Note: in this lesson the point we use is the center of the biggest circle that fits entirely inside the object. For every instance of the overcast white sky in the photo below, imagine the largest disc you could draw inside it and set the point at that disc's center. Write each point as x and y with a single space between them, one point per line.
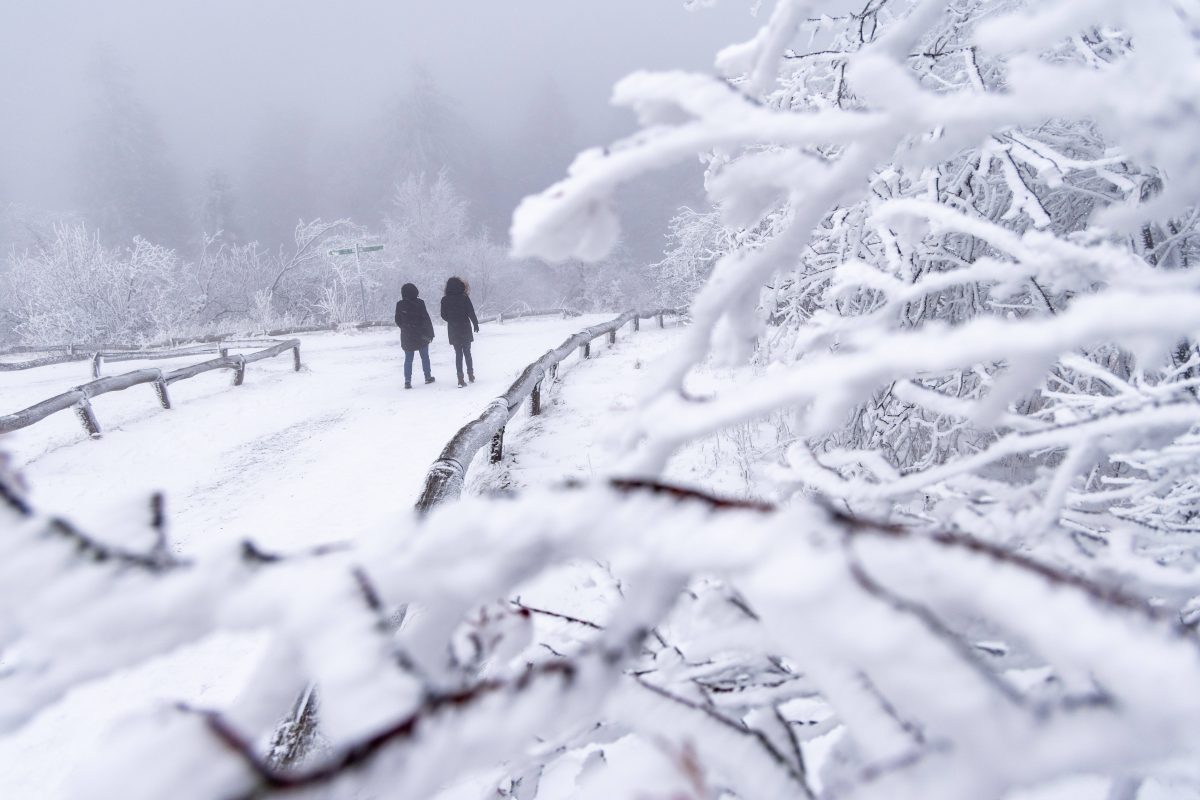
213 70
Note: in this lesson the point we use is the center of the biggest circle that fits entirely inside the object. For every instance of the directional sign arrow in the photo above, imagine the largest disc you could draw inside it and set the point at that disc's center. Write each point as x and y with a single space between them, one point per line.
349 251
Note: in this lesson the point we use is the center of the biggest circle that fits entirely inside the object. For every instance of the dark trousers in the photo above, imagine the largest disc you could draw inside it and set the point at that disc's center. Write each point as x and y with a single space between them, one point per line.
408 362
462 351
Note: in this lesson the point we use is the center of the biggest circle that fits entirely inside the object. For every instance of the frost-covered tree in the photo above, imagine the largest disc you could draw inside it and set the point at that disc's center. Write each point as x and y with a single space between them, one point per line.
219 214
22 229
547 138
420 133
696 241
74 289
270 288
426 223
127 185
885 192
279 189
430 236
947 225
297 278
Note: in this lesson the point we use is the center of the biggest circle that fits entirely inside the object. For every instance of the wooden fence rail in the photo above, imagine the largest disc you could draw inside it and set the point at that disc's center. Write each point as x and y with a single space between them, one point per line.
445 479
80 397
221 348
504 316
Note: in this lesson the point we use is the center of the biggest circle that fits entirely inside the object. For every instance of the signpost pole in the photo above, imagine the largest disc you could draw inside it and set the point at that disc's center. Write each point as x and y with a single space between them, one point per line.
362 283
362 289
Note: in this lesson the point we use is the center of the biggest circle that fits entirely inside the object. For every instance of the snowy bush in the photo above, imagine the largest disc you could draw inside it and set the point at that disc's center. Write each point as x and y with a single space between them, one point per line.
75 289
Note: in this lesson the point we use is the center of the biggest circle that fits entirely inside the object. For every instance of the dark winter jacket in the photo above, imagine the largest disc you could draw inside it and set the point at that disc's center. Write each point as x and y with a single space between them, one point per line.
416 328
459 313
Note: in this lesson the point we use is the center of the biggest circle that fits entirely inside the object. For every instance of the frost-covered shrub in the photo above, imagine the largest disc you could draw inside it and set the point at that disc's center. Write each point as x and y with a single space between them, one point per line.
74 289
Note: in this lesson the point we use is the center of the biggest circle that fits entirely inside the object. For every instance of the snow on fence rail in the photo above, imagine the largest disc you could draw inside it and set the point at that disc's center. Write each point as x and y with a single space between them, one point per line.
80 397
445 479
222 349
504 316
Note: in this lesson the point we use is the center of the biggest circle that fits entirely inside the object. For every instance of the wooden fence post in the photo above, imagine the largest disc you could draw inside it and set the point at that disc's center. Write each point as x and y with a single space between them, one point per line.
86 416
535 400
291 740
239 372
586 350
554 371
612 338
660 321
637 324
160 389
296 358
96 361
497 447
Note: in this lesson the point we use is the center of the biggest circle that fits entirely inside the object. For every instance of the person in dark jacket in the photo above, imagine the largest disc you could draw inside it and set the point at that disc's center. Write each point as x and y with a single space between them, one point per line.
416 331
460 319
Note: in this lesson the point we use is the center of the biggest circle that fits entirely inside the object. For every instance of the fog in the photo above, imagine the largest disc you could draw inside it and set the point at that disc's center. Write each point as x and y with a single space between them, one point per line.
285 97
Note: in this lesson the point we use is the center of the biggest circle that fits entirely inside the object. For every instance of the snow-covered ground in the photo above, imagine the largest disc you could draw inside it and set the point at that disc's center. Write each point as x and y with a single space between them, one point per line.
286 459
296 459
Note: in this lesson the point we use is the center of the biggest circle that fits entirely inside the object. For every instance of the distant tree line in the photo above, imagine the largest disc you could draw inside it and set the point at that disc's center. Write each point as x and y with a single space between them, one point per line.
142 256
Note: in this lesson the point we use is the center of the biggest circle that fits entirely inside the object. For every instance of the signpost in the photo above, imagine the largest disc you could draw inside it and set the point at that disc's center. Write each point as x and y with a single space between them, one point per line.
349 251
357 252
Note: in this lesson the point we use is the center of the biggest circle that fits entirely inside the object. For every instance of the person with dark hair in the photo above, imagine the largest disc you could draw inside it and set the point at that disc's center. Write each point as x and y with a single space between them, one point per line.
416 331
460 319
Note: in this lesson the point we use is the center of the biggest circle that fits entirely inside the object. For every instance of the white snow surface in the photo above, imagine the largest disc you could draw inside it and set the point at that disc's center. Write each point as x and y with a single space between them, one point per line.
586 416
288 459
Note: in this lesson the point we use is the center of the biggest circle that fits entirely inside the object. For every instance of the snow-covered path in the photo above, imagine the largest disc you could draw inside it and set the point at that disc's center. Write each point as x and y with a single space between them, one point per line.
286 459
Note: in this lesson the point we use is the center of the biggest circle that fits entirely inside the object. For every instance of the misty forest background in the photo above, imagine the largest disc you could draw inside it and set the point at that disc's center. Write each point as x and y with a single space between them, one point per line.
146 251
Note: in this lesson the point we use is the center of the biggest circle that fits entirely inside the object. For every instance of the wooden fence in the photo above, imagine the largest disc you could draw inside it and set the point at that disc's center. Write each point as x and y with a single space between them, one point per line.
222 349
504 316
445 479
80 397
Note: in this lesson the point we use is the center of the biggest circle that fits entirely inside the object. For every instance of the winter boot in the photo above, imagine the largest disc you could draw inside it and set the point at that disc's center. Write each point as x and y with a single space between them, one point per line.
471 377
461 383
430 379
407 385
